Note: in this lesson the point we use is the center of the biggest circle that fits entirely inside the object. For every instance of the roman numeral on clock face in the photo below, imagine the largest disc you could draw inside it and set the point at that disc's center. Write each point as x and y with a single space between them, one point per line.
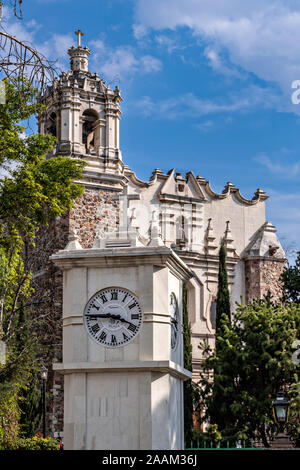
102 337
113 339
135 316
131 327
125 337
95 328
114 296
132 305
103 298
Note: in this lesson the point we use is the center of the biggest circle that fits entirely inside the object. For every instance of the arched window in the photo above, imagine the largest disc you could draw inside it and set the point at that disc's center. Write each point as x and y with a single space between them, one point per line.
90 116
213 313
52 127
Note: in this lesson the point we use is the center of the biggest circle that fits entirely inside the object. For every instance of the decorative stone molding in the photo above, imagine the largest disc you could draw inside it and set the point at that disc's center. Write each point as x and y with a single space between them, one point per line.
266 243
155 233
229 189
228 240
73 241
210 244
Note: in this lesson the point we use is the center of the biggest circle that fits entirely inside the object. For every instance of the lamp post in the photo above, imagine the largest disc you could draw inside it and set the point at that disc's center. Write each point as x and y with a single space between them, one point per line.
281 408
44 376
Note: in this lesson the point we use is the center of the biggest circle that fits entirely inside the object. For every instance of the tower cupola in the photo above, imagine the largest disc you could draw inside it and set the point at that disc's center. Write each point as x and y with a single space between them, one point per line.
79 56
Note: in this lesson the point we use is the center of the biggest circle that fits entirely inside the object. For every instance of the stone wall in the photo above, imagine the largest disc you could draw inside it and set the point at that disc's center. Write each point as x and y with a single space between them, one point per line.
95 211
262 274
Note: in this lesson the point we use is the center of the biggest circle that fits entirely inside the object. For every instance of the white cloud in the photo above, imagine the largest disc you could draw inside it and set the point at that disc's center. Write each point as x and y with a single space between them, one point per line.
112 62
168 43
121 61
260 36
150 64
283 209
283 169
205 126
188 104
139 31
216 61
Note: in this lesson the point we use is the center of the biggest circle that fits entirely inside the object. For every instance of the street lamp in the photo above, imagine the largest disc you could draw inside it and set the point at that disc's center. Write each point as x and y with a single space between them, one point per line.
44 376
281 408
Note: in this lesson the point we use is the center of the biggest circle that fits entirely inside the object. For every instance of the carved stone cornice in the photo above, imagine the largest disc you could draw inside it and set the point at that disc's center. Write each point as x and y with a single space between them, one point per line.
229 189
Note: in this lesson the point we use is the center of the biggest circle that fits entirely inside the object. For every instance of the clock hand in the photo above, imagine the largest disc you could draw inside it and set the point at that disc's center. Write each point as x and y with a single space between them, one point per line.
109 315
118 317
100 315
104 315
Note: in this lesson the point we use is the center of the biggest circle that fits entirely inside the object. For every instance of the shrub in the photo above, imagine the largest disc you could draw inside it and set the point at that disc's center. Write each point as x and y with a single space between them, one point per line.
37 443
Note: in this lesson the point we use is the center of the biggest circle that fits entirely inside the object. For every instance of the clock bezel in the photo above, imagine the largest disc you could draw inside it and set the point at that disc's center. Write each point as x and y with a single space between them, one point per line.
139 325
177 318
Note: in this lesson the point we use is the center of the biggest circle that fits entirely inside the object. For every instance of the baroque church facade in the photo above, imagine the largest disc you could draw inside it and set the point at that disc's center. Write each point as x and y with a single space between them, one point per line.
119 211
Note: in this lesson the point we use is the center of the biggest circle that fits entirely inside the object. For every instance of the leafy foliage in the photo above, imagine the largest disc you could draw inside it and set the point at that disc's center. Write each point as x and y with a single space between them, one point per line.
33 191
293 425
291 282
35 443
223 299
253 361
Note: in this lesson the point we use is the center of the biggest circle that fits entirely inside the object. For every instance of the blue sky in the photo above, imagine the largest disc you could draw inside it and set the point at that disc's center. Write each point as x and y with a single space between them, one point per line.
206 86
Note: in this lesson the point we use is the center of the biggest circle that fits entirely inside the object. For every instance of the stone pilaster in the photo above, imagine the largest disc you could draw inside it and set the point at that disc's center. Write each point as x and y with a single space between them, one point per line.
264 263
262 274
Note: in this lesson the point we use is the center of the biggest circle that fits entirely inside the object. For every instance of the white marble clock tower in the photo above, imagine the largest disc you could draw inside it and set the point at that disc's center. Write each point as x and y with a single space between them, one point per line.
122 346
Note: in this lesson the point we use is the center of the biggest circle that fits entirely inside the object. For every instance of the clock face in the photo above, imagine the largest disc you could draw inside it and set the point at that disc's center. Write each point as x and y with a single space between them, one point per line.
174 313
113 317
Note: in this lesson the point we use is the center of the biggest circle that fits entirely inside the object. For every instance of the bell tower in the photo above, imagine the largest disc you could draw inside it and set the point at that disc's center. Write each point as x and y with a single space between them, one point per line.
83 113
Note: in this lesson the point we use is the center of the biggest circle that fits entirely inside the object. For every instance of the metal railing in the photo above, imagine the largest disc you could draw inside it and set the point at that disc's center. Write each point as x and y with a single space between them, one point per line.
224 445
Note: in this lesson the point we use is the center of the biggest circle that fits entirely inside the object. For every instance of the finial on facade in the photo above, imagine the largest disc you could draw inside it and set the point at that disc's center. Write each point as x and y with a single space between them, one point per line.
260 195
228 241
210 245
155 237
228 187
73 241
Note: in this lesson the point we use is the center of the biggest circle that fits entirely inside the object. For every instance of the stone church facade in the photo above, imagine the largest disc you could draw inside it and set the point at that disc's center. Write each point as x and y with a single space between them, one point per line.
178 211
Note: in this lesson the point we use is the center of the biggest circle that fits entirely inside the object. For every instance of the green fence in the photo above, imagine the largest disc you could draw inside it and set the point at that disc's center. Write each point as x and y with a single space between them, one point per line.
224 445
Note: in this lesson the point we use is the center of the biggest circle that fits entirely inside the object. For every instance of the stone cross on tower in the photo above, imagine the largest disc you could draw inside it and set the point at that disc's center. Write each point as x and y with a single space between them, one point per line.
79 33
125 198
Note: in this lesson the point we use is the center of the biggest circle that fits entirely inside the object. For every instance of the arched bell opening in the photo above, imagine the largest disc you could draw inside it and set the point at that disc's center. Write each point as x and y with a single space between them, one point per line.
89 118
52 125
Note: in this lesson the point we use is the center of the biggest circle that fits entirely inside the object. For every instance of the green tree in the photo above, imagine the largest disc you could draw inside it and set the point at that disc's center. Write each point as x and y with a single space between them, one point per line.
253 361
223 299
33 191
291 282
30 405
293 425
221 381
